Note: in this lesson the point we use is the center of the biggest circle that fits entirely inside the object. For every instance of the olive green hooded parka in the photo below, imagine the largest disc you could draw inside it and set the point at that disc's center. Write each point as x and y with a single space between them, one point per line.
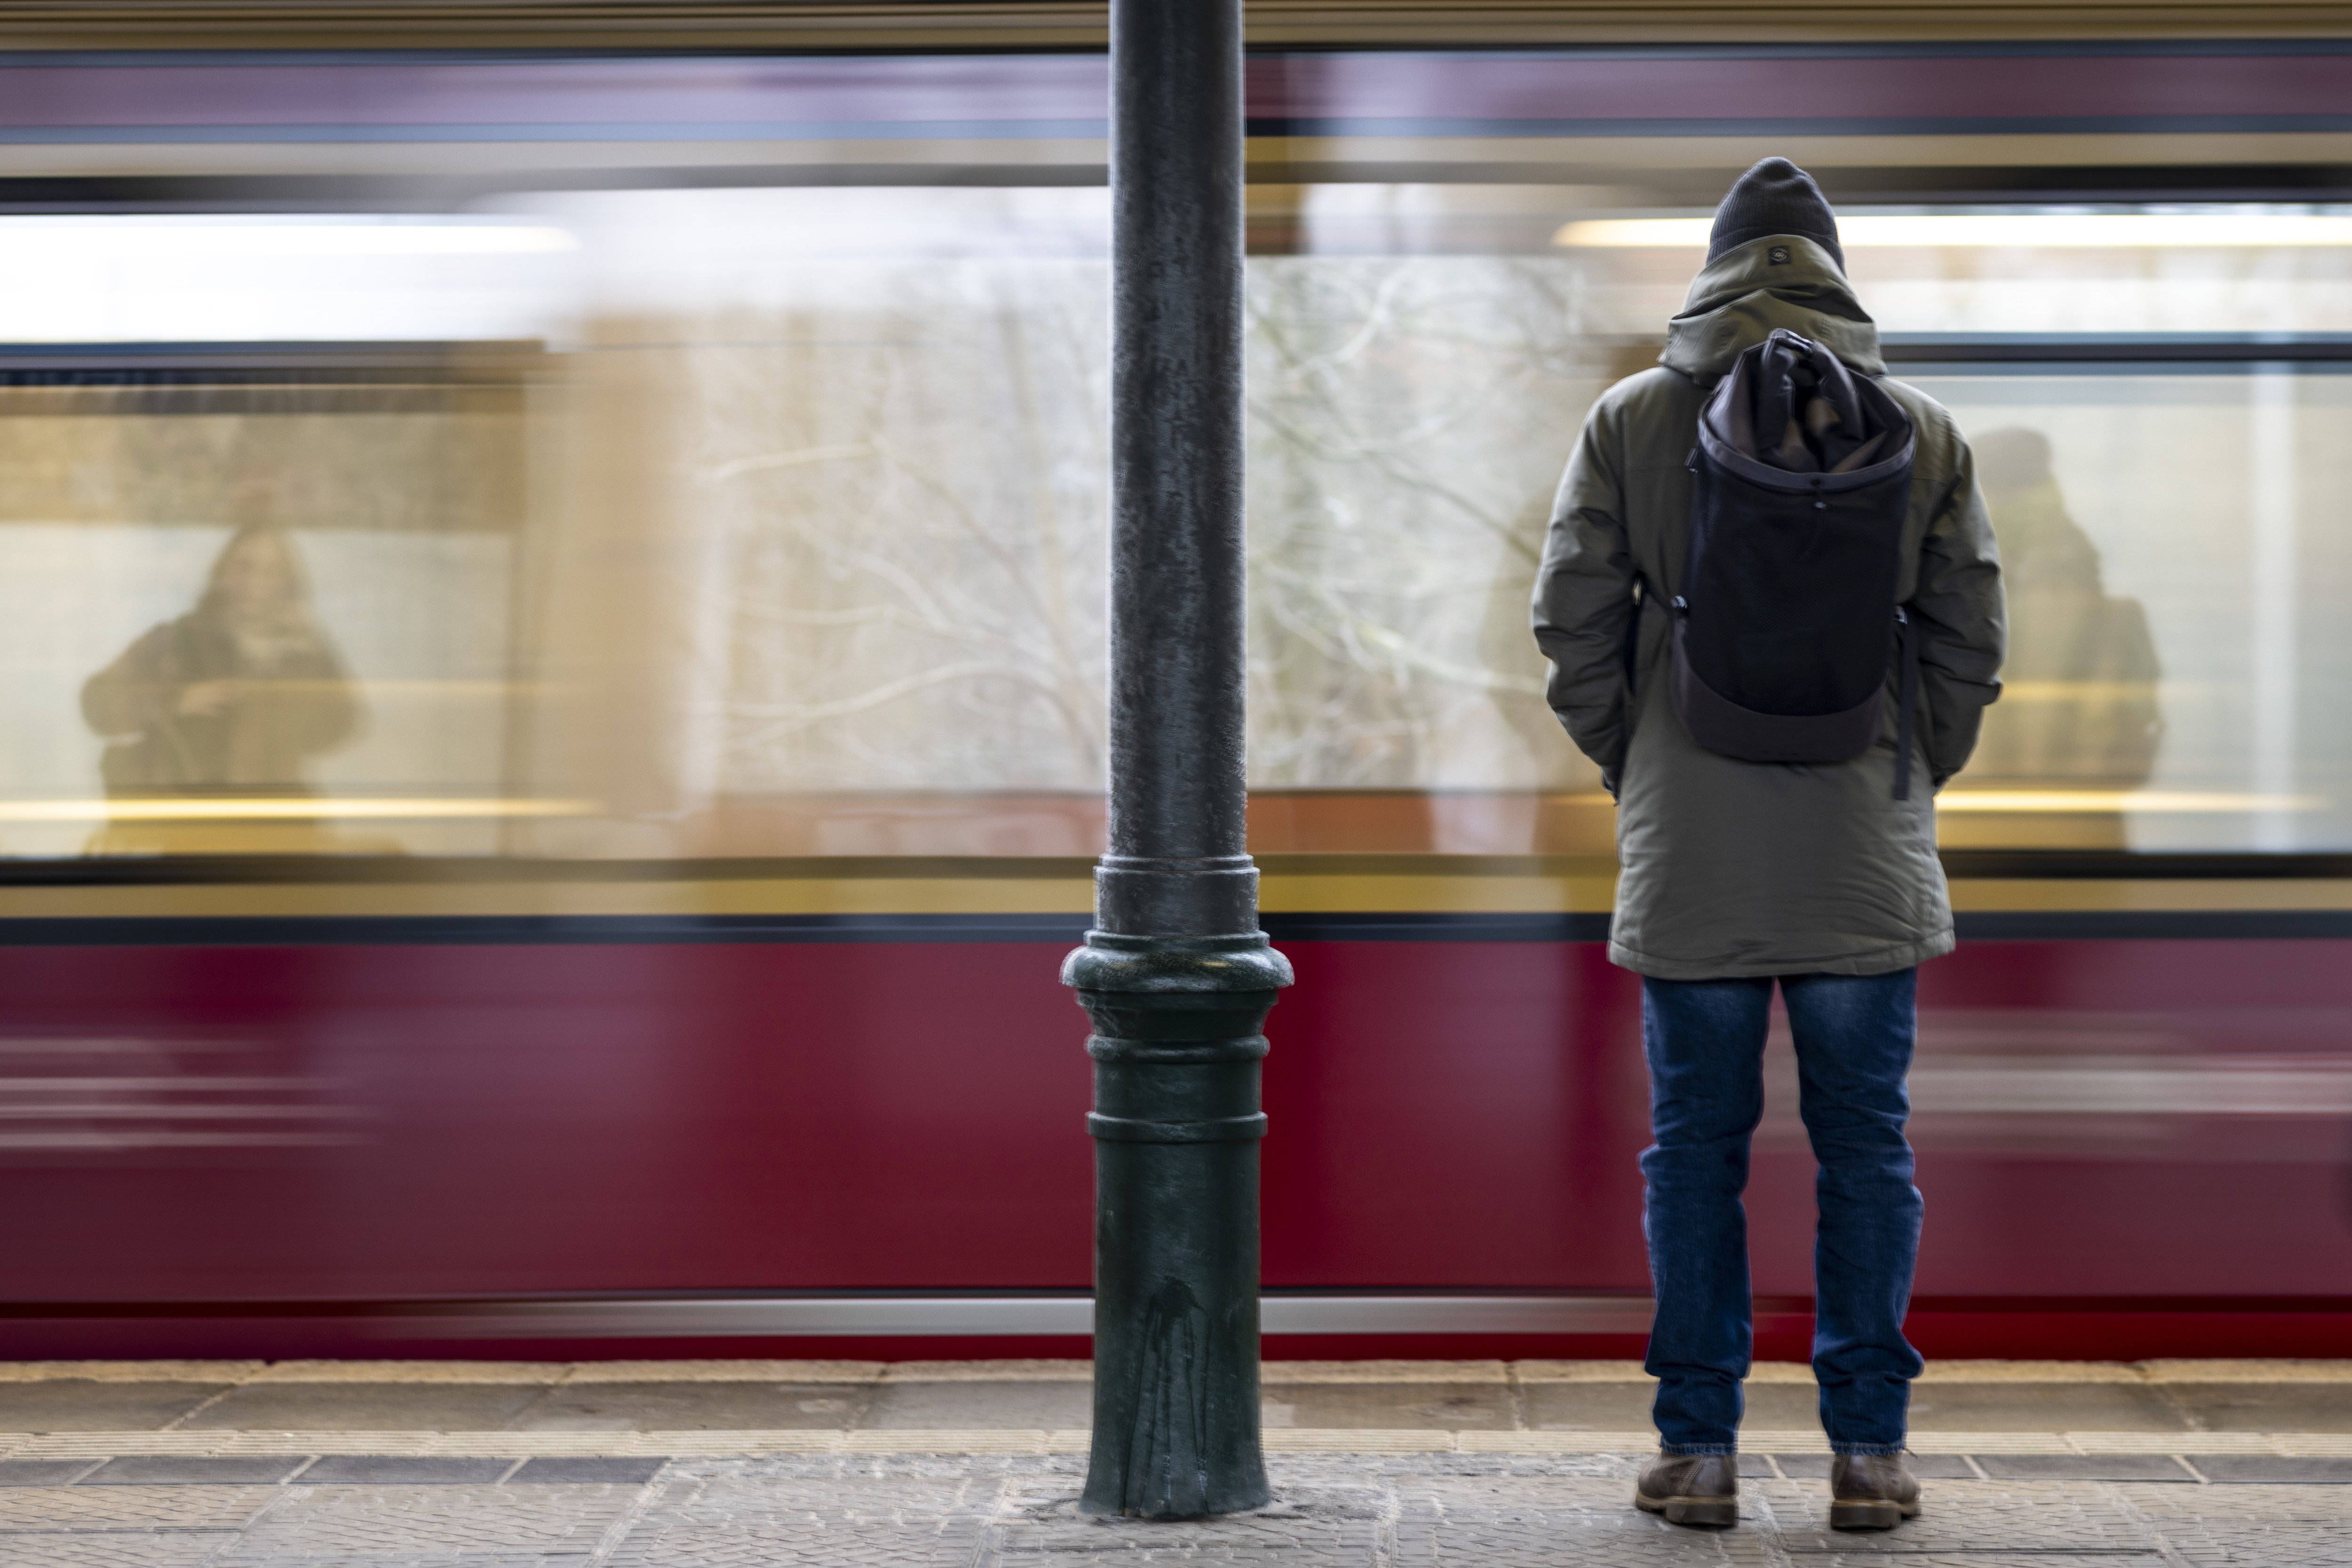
1728 867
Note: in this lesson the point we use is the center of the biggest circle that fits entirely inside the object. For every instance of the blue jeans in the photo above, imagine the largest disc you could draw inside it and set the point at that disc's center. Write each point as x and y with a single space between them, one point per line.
1705 1040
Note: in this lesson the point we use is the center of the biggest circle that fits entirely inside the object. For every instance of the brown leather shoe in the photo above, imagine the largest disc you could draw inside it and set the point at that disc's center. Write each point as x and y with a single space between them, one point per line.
1691 1488
1871 1491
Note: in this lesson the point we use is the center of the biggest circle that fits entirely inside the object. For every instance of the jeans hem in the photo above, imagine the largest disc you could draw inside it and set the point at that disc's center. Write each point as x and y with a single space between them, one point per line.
1879 1450
1696 1450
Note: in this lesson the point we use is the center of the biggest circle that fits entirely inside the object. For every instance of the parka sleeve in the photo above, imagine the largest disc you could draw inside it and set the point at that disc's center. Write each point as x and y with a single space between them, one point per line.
1584 600
1963 621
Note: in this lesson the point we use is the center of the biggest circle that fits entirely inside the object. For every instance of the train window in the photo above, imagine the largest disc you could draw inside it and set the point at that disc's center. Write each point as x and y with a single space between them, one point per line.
769 521
2171 650
258 598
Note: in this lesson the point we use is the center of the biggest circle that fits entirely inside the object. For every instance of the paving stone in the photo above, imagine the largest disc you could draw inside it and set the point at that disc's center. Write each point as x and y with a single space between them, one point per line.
1615 1466
1894 1555
955 1469
175 1469
1535 1538
364 1407
42 1472
402 1524
1926 1466
132 1508
1330 1523
2083 1466
1937 1467
418 1559
1587 1406
1935 1407
518 1559
380 1469
851 1483
967 1406
1965 1517
2042 1408
776 1542
185 1549
695 1407
82 1404
1542 1520
1606 1499
2262 1544
2250 1468
758 1517
1439 1496
1420 1406
629 1471
1778 1407
2264 1407
2238 1502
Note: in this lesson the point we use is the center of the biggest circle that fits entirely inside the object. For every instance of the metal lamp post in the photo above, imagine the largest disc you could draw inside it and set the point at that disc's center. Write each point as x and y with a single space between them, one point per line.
1176 974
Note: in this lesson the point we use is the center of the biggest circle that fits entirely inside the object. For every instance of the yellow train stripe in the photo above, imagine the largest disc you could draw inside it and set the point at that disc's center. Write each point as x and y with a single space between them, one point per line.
1572 887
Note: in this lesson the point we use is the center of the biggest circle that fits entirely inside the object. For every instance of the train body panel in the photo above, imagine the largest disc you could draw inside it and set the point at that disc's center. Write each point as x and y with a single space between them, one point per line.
349 1127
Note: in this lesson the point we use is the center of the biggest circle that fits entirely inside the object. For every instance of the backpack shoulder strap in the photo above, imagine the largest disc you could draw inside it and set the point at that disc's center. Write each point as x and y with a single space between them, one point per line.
1906 707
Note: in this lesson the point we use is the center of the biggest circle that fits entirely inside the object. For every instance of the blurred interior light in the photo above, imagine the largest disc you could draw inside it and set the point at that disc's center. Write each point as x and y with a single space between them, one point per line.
2006 230
283 276
151 238
2119 801
278 807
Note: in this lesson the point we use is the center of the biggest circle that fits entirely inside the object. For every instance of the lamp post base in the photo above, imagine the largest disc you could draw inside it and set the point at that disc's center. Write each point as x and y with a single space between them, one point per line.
1176 1127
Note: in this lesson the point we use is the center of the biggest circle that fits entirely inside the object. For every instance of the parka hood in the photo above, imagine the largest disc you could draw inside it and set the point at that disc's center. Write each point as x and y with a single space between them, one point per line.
1740 298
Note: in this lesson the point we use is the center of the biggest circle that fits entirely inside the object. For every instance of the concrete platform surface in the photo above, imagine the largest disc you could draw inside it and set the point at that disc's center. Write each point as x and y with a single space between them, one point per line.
686 1464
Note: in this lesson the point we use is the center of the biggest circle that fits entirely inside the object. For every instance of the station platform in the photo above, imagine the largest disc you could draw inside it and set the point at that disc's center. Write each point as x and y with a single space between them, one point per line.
680 1464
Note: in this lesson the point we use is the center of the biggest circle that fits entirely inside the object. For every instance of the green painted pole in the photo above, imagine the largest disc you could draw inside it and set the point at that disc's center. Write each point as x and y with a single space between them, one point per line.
1176 975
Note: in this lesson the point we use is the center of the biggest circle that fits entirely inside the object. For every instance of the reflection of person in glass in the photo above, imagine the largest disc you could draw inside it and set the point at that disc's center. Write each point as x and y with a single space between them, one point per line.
233 698
2080 708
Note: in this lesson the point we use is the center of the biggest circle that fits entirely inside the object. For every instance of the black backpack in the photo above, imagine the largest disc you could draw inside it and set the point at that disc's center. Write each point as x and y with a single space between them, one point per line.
1787 621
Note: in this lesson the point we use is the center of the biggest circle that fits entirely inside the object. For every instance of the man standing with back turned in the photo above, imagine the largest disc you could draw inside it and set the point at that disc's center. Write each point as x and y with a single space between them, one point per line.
1773 612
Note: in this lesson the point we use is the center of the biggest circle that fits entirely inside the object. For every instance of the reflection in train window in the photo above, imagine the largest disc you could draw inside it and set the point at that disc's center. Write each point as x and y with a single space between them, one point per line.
2170 653
257 600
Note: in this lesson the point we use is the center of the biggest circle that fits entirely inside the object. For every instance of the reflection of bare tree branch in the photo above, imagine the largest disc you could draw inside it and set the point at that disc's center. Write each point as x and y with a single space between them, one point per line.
1376 321
978 533
864 615
1424 484
1410 415
1389 641
910 578
910 575
1365 449
767 463
761 615
1444 669
789 718
927 608
1078 694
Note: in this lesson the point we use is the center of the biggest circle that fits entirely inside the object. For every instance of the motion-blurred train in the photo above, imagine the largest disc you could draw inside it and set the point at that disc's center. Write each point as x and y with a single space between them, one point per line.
551 737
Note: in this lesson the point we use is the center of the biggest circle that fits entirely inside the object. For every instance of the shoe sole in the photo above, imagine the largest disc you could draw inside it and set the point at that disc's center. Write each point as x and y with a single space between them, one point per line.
1701 1512
1860 1513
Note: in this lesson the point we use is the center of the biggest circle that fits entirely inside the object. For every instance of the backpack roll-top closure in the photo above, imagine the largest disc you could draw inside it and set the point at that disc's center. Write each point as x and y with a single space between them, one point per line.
1787 623
1751 470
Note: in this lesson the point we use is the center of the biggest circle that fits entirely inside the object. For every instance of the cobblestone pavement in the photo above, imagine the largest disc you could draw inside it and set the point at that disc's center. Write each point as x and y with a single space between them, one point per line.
916 1511
680 1488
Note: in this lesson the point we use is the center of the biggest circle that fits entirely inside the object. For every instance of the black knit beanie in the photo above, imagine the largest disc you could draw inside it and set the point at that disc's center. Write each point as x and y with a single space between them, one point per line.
1775 197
